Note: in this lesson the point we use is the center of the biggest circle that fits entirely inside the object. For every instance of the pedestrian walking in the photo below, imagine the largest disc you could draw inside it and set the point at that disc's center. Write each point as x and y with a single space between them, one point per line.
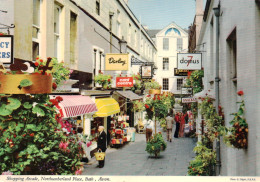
169 124
149 129
182 124
101 144
177 121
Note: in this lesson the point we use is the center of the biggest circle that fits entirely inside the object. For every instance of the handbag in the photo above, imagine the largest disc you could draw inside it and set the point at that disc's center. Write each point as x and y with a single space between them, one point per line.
100 155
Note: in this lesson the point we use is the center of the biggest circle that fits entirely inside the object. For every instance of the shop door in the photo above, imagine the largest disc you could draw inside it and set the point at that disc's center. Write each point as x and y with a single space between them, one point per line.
130 114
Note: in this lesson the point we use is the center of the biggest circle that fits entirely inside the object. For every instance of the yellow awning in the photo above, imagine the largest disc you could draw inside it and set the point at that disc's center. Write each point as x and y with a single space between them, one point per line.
106 107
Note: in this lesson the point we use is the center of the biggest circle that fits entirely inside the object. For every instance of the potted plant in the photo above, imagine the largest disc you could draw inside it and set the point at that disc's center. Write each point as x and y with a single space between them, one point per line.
104 80
137 83
156 145
138 106
153 87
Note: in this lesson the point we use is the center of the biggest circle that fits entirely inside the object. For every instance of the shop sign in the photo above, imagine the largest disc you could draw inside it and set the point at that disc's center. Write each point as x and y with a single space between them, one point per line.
146 72
180 72
189 61
124 82
115 62
188 100
6 49
186 90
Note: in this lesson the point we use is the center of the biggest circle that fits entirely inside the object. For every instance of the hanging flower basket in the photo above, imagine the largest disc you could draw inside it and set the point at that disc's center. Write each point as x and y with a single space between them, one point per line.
25 83
155 91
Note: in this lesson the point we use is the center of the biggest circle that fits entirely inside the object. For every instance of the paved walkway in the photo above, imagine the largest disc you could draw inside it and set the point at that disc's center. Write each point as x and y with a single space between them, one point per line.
132 159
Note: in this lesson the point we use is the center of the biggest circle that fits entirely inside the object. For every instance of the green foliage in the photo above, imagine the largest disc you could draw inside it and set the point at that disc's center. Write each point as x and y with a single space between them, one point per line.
159 105
104 80
214 123
25 83
204 161
30 138
138 106
152 85
195 81
59 71
156 145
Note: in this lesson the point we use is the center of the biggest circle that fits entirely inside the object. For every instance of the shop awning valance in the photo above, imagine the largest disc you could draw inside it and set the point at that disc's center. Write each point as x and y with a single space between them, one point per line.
129 94
76 105
106 107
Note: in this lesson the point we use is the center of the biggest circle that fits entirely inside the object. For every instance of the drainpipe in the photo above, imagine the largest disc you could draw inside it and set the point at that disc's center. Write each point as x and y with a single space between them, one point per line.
111 14
217 14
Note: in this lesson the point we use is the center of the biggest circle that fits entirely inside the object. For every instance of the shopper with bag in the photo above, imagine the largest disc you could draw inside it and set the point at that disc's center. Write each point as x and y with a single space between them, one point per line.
169 124
101 144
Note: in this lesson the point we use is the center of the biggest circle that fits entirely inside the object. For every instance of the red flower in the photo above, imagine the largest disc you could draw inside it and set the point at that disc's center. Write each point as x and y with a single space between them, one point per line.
148 95
32 134
1 34
54 101
146 106
54 86
24 135
41 60
14 135
108 80
36 64
37 58
240 93
59 98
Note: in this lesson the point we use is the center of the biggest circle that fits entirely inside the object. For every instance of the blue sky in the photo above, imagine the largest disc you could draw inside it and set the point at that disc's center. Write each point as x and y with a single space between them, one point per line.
157 14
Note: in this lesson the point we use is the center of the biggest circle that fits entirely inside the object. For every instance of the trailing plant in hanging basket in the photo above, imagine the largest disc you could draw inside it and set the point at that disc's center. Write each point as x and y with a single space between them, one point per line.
237 135
104 80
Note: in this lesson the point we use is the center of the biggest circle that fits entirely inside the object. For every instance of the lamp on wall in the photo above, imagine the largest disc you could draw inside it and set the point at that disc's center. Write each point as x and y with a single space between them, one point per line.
217 11
123 45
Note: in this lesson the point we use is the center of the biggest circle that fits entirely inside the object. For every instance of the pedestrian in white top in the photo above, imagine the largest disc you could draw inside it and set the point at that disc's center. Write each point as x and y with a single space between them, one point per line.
149 129
169 125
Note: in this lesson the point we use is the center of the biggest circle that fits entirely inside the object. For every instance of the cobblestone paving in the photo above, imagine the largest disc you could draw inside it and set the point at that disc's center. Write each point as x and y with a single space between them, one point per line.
132 159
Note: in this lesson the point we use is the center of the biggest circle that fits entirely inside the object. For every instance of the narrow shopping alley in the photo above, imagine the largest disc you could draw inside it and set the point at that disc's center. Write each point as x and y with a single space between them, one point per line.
132 159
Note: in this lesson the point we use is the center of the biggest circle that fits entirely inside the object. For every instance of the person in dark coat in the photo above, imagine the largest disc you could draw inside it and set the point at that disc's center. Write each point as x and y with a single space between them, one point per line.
177 120
101 144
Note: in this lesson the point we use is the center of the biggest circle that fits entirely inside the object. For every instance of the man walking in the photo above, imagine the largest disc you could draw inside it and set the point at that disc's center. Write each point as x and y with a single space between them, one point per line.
169 124
101 144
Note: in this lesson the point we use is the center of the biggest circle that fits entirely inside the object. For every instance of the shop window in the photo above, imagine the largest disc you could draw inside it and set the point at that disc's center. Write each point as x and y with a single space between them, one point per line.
165 83
73 36
35 50
165 64
98 7
165 44
179 83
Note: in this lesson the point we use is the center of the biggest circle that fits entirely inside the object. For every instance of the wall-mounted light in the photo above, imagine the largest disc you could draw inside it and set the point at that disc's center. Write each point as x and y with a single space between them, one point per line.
217 11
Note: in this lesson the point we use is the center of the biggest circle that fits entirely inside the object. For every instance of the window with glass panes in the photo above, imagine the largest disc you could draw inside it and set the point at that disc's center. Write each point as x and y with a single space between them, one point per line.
165 83
165 64
36 29
165 44
57 12
179 83
179 44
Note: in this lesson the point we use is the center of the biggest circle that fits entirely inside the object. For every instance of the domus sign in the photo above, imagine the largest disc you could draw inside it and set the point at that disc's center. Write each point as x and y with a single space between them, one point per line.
189 61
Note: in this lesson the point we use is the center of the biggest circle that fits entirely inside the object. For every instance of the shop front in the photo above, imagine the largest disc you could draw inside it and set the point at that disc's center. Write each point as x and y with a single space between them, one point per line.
75 114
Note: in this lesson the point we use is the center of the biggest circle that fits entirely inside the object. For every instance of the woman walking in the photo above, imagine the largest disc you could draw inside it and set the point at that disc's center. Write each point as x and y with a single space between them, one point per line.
177 120
182 124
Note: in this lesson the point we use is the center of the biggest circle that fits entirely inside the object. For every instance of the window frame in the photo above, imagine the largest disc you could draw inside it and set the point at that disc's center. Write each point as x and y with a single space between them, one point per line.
166 44
178 83
165 62
165 84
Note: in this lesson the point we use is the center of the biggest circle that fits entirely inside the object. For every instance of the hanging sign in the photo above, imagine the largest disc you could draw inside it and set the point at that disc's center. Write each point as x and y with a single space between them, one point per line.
6 49
188 100
180 72
115 62
189 61
124 82
186 90
146 72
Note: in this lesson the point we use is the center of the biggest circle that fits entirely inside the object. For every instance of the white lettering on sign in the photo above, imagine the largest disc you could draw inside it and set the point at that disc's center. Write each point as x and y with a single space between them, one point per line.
188 100
189 61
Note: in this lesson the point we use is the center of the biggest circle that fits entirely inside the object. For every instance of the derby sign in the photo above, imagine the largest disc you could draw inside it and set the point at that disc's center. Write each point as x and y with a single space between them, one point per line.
116 62
124 82
189 61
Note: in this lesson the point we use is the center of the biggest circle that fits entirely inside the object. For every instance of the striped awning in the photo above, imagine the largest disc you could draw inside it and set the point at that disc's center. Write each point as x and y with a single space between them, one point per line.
106 107
75 105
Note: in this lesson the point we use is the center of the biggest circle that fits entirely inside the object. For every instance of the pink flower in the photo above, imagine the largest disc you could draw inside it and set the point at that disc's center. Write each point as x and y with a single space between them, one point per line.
7 173
61 145
78 172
